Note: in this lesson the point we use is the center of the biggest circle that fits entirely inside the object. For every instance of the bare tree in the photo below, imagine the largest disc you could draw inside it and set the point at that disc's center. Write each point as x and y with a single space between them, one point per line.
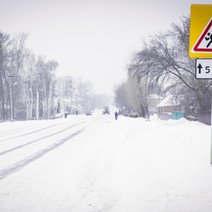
85 95
45 76
131 97
164 59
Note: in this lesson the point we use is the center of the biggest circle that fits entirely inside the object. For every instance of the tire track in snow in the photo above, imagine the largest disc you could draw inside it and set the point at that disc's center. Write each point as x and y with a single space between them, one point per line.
28 133
14 130
24 162
36 140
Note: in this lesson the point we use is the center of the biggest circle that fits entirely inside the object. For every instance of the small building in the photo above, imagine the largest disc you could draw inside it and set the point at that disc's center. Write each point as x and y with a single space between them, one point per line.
169 108
153 101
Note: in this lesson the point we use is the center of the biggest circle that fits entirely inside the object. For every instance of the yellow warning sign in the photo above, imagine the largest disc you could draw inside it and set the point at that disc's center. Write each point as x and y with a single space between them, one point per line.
200 41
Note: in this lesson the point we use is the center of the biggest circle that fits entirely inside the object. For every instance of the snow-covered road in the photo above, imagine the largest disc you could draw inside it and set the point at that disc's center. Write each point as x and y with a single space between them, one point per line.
97 164
19 149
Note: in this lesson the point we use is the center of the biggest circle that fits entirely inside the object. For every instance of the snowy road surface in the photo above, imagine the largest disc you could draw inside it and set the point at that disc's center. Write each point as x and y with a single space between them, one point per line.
97 164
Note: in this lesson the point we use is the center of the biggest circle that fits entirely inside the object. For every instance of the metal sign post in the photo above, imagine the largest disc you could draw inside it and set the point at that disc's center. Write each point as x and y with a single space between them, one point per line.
211 123
204 71
200 44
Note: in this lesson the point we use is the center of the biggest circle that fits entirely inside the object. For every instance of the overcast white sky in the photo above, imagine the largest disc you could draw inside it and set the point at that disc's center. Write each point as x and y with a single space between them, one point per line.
93 39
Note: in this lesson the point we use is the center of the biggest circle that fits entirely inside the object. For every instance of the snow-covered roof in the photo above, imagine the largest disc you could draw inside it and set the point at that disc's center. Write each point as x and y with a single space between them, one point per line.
168 101
154 96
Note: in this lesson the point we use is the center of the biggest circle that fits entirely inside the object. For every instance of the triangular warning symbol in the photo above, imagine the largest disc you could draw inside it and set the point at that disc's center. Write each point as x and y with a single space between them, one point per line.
204 42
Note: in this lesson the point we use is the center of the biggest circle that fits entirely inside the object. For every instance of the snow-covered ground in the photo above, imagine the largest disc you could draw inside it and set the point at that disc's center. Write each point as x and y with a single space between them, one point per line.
97 164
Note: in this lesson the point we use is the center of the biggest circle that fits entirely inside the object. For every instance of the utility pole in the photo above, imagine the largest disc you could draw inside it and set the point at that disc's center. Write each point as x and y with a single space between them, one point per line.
63 101
27 99
11 98
37 105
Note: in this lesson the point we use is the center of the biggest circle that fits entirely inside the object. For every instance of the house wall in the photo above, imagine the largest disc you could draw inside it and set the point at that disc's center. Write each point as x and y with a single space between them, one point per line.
167 112
165 109
168 109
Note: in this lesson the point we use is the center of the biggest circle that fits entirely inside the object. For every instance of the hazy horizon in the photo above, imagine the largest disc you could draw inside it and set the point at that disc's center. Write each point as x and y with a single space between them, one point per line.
90 39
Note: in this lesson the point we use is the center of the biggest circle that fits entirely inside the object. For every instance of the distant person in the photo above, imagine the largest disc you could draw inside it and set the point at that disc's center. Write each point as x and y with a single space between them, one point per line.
76 112
116 115
66 114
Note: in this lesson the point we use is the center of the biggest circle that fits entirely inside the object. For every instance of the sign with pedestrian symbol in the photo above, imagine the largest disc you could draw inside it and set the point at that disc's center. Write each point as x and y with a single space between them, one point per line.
200 42
204 43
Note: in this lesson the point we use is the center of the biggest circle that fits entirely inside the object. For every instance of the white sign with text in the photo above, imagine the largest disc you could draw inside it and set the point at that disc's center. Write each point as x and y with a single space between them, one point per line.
203 68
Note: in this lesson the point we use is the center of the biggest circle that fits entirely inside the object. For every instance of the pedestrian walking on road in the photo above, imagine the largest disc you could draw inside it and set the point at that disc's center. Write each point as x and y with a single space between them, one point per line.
116 115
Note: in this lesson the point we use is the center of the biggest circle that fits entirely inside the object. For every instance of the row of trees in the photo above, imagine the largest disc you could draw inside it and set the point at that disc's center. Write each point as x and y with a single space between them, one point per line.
77 95
163 67
26 81
74 95
29 88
